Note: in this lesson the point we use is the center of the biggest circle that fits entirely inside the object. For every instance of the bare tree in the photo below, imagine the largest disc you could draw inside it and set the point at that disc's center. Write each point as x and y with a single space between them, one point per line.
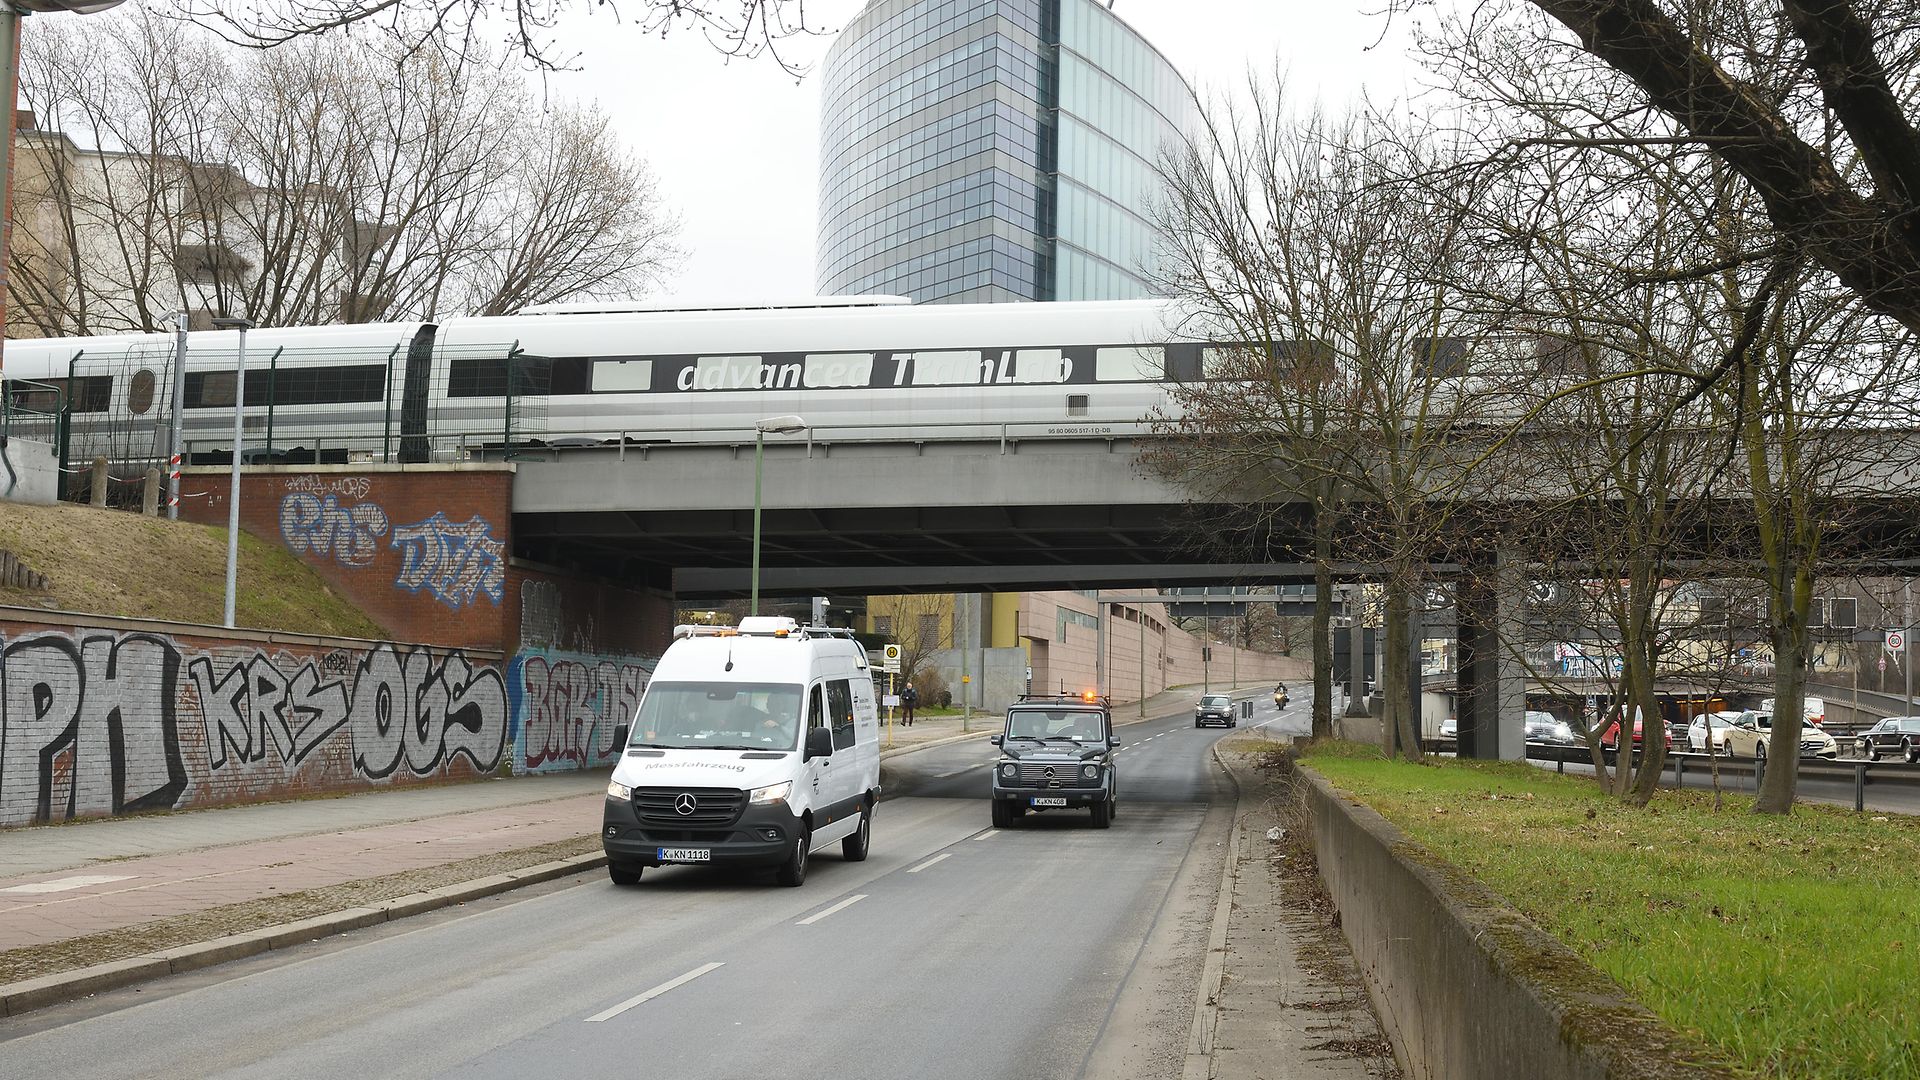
737 28
319 182
1338 287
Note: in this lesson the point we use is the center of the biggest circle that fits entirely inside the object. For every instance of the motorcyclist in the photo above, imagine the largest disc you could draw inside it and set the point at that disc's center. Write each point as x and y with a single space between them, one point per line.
1279 695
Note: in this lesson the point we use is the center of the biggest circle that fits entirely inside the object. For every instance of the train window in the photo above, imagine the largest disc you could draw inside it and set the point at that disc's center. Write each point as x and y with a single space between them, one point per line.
140 392
89 393
952 368
488 376
477 376
1219 361
1041 366
1129 363
290 386
209 389
838 369
728 373
622 376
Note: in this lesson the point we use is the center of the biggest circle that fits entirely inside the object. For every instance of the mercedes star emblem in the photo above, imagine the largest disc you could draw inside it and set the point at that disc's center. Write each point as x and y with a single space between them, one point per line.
685 804
1049 771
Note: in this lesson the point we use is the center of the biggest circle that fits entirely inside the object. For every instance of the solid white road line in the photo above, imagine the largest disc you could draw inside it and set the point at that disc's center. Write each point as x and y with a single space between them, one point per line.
641 999
930 862
841 906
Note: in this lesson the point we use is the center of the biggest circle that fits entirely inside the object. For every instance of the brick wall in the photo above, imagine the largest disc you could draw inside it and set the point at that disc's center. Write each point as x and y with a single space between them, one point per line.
103 716
422 549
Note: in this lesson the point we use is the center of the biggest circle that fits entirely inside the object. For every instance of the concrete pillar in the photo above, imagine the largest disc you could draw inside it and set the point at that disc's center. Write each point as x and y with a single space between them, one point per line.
98 496
1492 691
150 494
1357 649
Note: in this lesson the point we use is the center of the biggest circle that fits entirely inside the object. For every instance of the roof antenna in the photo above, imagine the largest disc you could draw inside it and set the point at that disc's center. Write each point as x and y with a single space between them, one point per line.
729 666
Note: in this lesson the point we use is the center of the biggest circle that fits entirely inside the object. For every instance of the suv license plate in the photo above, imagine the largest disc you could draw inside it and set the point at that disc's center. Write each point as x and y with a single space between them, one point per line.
685 854
1049 802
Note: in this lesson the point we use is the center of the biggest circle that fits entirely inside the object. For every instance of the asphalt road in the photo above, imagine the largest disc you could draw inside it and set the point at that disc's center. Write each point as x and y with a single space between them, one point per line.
956 950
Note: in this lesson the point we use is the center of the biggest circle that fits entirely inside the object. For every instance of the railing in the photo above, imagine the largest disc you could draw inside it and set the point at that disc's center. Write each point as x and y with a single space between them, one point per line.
1862 773
20 422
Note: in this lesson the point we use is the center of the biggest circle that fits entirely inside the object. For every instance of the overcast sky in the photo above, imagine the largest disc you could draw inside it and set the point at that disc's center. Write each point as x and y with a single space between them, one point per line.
733 143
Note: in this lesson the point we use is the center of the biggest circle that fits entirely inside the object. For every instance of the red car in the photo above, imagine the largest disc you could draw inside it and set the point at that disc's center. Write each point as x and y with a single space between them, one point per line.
1610 739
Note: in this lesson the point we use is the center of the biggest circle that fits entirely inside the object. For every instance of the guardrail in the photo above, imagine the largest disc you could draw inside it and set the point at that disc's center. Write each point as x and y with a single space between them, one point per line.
1862 773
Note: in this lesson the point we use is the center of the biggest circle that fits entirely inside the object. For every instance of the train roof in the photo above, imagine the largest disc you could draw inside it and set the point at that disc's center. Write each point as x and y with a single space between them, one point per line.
825 329
44 357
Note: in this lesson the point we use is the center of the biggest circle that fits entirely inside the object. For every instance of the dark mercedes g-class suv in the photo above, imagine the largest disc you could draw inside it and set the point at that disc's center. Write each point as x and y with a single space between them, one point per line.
1055 752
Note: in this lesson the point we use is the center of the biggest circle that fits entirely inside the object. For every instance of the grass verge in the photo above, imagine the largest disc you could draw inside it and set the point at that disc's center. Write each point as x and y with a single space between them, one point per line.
1786 944
112 562
34 961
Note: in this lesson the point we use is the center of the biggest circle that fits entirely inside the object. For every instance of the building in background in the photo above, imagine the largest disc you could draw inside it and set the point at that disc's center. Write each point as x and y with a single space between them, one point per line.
992 150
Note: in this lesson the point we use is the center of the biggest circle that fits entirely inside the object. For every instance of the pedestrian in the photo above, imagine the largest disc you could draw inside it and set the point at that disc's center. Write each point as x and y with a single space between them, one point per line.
909 697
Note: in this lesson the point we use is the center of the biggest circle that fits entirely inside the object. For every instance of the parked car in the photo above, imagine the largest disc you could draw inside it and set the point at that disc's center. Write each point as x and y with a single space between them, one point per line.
1750 735
1215 709
1698 730
1450 728
1543 727
1895 735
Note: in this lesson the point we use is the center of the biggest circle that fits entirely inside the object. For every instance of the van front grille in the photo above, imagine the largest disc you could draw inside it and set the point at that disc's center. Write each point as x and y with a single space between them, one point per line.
709 807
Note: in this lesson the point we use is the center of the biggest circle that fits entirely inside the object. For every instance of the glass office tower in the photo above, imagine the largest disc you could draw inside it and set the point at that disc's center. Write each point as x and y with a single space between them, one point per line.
989 150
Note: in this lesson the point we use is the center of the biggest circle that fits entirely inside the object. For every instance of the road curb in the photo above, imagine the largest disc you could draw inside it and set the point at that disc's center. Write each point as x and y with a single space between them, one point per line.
1206 1001
26 995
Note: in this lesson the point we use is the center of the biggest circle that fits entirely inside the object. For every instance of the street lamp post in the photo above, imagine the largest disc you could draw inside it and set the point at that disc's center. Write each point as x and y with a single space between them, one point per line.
772 425
239 434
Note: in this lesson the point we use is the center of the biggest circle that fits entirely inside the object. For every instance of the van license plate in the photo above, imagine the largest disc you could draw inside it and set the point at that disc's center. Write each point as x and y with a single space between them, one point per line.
1049 802
685 854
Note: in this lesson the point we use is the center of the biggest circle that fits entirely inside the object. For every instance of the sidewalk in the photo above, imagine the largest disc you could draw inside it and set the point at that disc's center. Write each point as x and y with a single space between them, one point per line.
1281 995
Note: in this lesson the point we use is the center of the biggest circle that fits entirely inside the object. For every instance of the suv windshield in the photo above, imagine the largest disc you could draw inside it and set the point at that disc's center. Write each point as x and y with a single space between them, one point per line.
711 715
1079 725
1216 701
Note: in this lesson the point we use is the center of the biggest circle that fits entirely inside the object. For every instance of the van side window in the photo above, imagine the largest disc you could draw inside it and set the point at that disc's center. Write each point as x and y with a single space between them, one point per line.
816 710
840 703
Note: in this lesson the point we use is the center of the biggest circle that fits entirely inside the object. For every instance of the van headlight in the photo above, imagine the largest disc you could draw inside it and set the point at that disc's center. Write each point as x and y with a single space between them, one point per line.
772 793
619 791
1562 732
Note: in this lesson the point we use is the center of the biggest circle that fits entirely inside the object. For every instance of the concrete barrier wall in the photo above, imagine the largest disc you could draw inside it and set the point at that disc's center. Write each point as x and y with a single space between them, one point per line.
36 473
1466 985
102 716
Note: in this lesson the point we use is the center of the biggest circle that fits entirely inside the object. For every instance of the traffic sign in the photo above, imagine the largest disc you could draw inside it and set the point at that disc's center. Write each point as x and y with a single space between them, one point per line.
1896 641
890 659
1883 663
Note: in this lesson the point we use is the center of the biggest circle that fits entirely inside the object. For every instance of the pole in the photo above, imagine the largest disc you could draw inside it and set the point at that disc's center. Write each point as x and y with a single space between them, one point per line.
1906 644
273 376
233 499
963 608
759 441
178 412
1140 613
1099 647
890 693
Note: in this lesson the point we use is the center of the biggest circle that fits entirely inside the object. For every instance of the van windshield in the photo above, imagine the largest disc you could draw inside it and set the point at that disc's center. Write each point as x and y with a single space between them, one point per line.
716 715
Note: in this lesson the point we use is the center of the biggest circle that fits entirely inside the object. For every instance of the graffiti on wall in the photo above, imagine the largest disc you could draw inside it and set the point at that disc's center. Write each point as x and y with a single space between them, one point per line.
453 563
104 723
567 707
322 526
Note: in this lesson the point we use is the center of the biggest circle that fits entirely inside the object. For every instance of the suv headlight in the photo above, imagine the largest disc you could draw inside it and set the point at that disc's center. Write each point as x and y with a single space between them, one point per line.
1091 772
772 793
1008 769
619 791
1562 731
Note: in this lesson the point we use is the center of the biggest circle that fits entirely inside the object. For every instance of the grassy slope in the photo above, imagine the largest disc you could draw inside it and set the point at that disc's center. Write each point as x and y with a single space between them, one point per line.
1790 945
112 562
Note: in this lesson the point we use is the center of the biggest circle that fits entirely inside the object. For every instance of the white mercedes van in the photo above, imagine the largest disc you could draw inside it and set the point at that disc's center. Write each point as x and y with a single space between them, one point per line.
753 746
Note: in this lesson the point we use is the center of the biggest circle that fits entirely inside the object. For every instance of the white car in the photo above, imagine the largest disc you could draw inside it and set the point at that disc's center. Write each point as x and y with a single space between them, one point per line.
1751 734
1720 721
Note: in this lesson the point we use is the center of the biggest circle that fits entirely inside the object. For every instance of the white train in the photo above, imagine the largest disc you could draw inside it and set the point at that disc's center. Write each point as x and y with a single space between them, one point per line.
579 374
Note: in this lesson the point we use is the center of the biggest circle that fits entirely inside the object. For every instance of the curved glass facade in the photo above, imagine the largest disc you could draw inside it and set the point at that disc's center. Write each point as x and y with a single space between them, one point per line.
988 150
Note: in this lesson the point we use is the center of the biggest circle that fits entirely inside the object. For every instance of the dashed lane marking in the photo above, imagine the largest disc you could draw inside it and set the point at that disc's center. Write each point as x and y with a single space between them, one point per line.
841 906
642 999
930 862
987 835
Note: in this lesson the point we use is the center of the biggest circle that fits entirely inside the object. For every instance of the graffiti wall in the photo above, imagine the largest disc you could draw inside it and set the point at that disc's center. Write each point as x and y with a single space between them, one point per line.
453 562
102 720
566 707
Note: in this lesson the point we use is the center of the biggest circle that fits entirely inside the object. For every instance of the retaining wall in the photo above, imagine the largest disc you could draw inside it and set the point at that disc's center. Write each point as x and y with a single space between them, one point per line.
103 716
1466 985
